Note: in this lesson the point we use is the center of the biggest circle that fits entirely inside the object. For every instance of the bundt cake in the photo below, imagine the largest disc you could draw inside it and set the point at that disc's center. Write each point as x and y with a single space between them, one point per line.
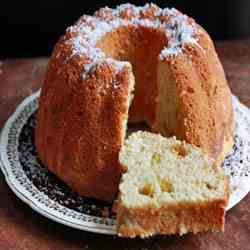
129 64
163 192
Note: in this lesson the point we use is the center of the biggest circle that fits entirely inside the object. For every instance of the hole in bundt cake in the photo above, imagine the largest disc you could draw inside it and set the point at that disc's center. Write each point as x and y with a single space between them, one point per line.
147 189
156 96
140 46
179 150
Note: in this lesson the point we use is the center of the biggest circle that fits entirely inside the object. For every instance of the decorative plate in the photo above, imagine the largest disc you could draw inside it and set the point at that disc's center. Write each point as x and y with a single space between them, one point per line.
49 196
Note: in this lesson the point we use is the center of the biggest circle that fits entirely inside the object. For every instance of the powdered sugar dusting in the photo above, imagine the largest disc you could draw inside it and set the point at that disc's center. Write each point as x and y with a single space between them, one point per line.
118 65
89 29
181 32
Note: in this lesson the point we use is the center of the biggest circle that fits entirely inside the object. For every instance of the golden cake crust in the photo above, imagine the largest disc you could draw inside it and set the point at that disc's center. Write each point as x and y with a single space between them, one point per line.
69 138
167 220
205 116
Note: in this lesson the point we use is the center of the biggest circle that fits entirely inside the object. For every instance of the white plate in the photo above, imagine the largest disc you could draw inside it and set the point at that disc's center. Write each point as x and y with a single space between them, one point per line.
46 194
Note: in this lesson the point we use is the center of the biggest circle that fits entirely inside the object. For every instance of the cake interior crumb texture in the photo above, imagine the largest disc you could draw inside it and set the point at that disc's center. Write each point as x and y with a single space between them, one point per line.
168 187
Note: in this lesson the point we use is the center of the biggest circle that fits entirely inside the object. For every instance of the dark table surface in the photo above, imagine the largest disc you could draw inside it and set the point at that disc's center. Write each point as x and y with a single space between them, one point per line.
22 228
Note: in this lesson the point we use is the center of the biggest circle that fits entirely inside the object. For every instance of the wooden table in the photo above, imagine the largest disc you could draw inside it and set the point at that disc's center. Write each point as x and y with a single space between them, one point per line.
22 228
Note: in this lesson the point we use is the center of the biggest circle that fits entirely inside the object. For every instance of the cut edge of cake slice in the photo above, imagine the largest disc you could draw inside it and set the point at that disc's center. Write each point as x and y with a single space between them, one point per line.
168 187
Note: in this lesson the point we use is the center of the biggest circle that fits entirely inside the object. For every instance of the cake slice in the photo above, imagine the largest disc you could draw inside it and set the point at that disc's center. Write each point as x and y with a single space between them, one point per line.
168 187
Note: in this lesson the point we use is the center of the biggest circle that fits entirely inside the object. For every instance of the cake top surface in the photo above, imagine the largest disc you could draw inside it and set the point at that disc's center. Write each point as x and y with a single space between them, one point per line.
162 170
83 36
